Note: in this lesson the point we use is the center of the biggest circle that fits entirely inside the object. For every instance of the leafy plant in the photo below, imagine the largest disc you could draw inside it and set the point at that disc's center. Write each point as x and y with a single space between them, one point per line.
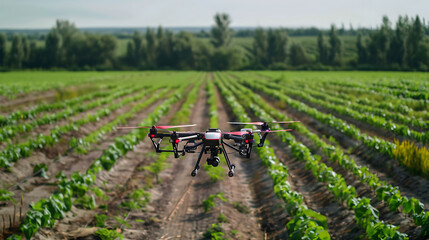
209 203
106 234
222 218
85 202
241 208
5 195
100 220
122 222
40 170
215 232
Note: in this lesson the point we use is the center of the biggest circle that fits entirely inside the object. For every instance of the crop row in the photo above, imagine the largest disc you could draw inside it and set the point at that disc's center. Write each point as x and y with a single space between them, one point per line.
19 115
8 132
212 101
419 164
388 193
82 145
339 86
399 129
46 211
366 215
14 152
393 106
306 223
361 108
24 82
418 94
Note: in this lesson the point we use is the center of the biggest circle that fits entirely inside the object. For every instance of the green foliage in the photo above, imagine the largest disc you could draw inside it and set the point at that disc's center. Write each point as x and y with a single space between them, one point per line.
14 237
39 170
222 218
220 32
122 222
215 232
138 199
85 202
107 234
100 220
209 203
241 207
5 195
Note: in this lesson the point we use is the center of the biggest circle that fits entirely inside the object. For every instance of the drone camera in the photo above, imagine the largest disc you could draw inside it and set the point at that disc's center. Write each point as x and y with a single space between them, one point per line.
213 161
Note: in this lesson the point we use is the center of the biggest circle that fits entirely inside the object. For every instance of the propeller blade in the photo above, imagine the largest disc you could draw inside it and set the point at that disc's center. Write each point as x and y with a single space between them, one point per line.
286 122
132 127
161 127
237 133
177 126
260 123
188 137
282 130
253 123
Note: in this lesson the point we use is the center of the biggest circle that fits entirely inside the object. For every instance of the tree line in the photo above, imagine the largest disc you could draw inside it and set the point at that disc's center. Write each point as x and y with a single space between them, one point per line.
402 47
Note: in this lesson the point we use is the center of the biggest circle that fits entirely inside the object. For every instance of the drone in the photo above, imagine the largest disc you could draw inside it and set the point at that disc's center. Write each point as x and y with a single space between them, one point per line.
212 141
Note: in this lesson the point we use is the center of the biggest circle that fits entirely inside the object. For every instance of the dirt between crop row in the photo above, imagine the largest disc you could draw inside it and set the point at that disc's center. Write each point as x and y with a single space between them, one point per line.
410 186
35 188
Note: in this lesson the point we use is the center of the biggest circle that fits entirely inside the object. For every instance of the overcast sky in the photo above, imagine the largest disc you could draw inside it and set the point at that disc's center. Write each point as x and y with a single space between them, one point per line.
30 14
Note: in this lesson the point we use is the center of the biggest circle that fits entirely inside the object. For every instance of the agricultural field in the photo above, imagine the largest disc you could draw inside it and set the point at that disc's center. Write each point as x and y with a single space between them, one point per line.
356 166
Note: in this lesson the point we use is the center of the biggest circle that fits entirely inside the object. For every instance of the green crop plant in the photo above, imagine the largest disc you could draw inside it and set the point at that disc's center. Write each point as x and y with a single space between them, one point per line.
209 203
107 234
100 220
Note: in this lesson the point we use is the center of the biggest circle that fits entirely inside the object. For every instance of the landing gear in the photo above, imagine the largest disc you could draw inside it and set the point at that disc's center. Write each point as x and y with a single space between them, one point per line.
231 172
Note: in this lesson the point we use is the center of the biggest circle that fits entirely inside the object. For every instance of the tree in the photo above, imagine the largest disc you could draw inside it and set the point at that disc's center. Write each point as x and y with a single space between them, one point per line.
361 50
297 55
3 42
322 49
26 50
165 48
183 51
414 41
276 46
220 33
52 49
379 43
67 31
137 55
335 50
397 47
129 57
260 48
151 53
16 55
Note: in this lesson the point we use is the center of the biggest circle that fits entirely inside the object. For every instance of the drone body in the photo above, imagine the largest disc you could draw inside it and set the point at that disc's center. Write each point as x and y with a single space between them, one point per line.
212 142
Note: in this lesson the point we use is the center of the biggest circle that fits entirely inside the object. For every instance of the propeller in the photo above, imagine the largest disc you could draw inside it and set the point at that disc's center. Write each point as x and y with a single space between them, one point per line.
268 131
237 133
260 123
161 127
